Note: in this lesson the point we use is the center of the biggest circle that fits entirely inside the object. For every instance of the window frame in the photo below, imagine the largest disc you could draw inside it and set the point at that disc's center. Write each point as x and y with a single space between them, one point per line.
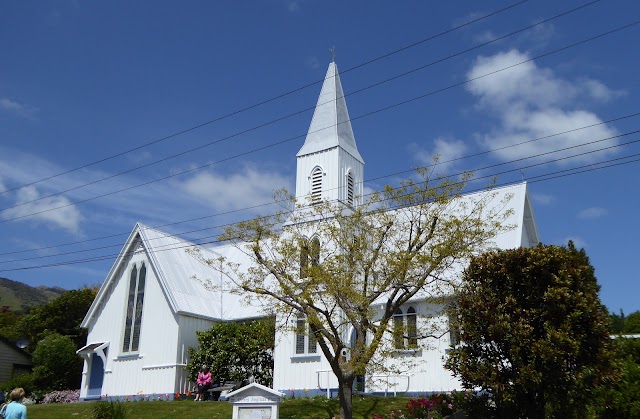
134 309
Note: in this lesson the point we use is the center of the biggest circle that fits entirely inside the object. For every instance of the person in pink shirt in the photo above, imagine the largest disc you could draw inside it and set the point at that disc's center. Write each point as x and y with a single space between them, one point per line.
203 382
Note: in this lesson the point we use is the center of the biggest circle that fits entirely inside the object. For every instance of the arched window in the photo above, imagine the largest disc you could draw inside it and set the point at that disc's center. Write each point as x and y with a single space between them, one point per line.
137 322
135 303
350 191
304 258
131 300
412 328
316 185
398 330
314 251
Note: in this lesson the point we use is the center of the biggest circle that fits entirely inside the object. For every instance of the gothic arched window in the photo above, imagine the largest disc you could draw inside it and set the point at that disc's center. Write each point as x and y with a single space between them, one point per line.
316 185
135 303
304 258
314 251
412 328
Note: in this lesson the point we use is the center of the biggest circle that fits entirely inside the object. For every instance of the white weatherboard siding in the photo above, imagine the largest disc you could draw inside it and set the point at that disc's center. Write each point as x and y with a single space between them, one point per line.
183 295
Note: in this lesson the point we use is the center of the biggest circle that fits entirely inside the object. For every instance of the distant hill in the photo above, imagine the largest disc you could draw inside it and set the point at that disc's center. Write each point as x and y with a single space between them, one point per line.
20 297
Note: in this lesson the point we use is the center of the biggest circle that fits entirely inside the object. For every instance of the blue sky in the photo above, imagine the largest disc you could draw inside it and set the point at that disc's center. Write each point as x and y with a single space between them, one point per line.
82 81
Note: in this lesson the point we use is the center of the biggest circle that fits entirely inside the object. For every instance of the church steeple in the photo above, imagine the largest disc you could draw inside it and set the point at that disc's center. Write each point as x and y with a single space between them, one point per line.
330 125
329 164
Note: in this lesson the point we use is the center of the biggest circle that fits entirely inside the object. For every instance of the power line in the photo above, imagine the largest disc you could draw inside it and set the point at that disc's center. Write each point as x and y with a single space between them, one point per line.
540 178
279 96
366 180
439 178
352 119
290 115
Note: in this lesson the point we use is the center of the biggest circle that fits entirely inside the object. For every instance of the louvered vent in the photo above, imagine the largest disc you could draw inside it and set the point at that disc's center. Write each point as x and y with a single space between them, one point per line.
316 186
350 189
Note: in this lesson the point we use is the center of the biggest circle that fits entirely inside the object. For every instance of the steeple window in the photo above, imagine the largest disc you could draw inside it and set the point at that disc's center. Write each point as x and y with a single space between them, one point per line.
350 192
316 185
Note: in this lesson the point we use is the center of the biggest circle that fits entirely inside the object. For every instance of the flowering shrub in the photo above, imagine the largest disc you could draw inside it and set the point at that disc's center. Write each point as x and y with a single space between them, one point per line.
62 396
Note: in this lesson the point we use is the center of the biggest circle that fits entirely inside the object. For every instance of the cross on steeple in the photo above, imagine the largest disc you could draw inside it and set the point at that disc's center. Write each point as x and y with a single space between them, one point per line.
333 54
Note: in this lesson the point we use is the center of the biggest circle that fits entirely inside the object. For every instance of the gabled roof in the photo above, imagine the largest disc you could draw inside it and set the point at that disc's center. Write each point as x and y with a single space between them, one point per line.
181 275
330 126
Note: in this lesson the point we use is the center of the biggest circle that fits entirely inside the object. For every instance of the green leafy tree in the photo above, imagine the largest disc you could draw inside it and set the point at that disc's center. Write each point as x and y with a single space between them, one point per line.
617 322
62 316
621 399
632 323
236 351
56 365
396 246
534 333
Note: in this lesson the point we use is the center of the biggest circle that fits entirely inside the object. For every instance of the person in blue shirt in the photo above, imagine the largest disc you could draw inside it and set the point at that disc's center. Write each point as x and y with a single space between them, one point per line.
15 409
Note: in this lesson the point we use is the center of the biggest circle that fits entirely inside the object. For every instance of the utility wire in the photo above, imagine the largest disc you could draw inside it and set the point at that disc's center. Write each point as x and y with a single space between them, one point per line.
436 179
279 96
352 119
540 178
366 180
290 115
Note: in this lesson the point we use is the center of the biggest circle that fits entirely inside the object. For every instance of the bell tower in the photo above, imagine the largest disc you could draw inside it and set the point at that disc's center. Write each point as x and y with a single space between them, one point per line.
329 166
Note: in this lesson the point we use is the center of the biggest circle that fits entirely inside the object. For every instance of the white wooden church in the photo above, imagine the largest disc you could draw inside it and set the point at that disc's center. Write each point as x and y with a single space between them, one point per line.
147 311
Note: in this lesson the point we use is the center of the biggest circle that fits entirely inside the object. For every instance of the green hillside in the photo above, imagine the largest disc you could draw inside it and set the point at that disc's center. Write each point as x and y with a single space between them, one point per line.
19 297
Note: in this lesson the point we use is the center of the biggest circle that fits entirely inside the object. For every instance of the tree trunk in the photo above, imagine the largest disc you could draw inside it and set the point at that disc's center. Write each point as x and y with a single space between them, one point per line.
345 392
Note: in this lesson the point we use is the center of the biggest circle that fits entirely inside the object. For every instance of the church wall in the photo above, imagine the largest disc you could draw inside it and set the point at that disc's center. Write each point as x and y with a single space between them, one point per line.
153 369
188 327
300 372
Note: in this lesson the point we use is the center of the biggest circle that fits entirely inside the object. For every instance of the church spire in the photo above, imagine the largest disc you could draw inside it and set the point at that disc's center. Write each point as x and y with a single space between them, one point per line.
329 164
330 126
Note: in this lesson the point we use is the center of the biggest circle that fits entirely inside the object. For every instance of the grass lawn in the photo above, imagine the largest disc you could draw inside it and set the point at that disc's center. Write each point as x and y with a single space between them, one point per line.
317 408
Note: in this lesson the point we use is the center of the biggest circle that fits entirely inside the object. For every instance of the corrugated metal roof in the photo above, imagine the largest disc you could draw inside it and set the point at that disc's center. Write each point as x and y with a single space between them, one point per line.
191 285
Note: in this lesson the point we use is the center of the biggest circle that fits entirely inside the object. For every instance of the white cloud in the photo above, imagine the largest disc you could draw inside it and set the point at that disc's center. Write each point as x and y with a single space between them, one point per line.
67 218
235 191
542 199
592 213
578 242
599 91
446 149
293 5
530 102
14 107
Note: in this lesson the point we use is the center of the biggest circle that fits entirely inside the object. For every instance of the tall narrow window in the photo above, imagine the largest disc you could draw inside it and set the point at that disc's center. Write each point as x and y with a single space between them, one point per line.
131 301
314 252
304 258
398 330
316 186
300 334
135 303
350 188
312 344
412 328
137 322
